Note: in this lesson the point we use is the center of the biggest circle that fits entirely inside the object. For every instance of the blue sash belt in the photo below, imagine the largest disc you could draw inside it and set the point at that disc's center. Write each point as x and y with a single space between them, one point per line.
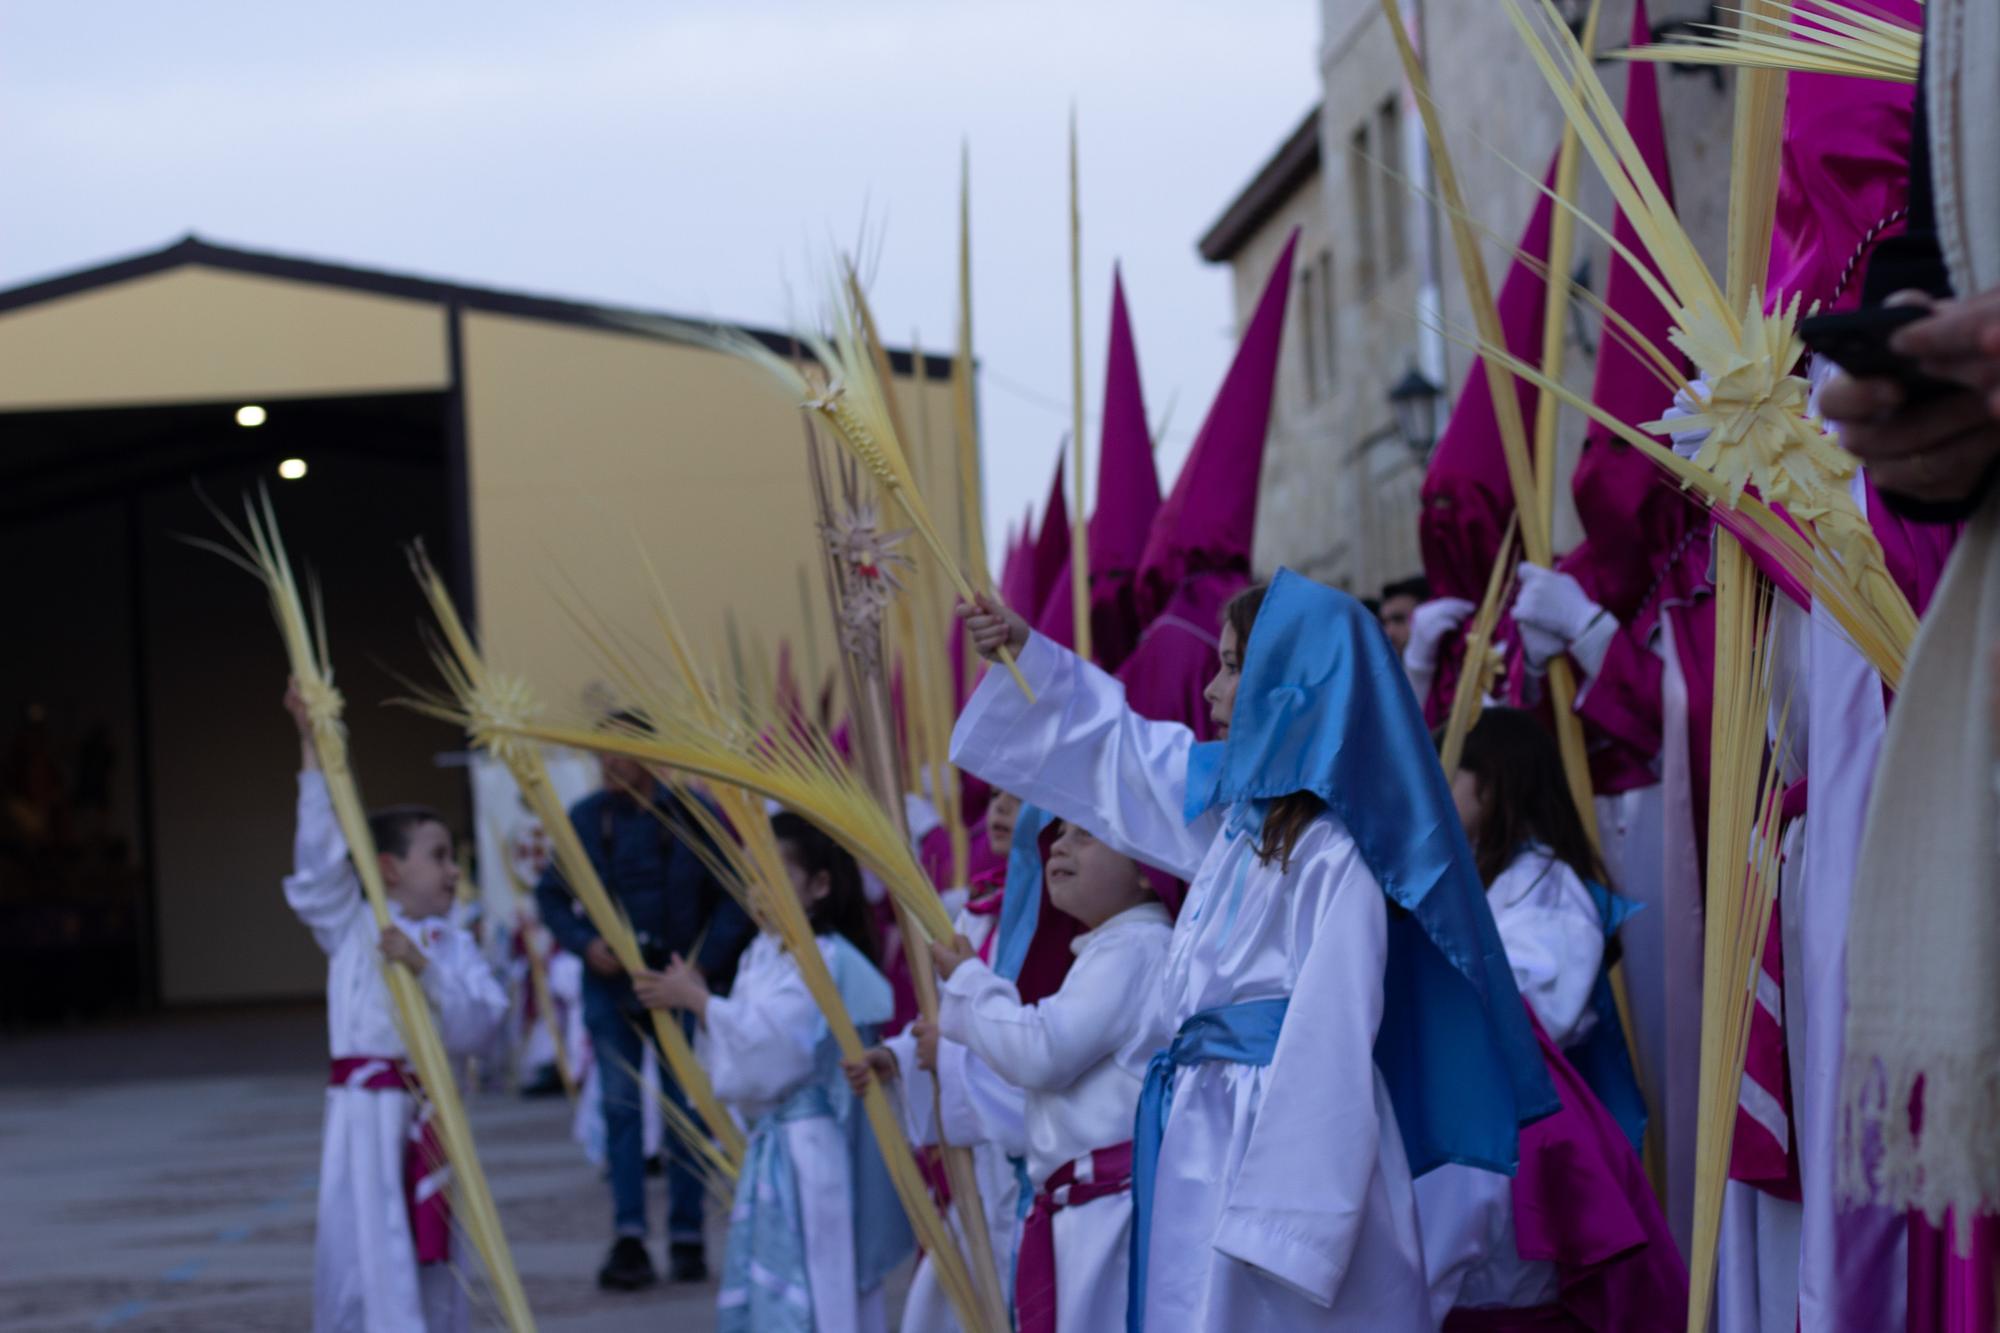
1241 1034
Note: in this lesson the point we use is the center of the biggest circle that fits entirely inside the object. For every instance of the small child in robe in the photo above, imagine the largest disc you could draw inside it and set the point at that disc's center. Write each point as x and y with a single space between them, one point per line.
382 1246
1078 1055
816 1226
948 1093
1272 1155
1592 1250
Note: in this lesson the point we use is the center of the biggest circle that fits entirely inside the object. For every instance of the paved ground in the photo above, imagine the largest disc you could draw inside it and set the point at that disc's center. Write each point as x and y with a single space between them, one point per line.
158 1176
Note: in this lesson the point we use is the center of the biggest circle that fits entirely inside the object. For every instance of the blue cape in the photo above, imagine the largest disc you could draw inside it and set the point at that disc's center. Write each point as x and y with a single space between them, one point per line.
1323 707
1602 1057
1021 903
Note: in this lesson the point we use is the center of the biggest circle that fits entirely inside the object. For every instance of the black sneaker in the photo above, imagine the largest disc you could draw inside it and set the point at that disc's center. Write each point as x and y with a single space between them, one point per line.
629 1267
546 1083
685 1262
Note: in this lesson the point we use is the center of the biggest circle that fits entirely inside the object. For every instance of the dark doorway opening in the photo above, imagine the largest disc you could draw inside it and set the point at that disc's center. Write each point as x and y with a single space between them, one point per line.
147 816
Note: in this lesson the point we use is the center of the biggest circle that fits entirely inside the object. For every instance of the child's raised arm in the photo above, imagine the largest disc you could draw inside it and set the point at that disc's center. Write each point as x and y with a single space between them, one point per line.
322 889
295 704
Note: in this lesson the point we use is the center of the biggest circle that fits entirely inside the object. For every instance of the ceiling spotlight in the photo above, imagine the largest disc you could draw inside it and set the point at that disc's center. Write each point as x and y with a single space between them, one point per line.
292 469
250 415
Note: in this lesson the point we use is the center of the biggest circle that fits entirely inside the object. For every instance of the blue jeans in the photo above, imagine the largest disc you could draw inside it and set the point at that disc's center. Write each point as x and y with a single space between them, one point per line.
615 1037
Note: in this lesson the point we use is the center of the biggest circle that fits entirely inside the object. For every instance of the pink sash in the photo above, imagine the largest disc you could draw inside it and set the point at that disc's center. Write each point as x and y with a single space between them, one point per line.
1035 1275
1582 1202
426 1173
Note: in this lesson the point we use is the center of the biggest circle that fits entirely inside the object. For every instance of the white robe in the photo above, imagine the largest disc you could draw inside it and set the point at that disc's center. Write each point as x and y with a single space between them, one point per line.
365 1273
1077 1055
1757 1272
1554 939
981 1110
763 1039
1283 1197
1852 1263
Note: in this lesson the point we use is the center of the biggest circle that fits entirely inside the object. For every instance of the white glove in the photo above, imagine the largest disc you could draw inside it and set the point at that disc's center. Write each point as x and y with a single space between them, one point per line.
1429 624
1556 616
1687 402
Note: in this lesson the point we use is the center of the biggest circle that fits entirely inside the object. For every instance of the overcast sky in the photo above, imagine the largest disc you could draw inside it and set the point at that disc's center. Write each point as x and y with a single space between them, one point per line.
686 155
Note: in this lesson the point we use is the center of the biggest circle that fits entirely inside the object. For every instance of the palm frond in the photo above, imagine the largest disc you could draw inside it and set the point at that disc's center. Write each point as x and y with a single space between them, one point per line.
261 548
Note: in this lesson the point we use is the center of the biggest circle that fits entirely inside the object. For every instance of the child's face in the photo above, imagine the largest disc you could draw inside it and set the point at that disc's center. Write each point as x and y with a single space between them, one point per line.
1089 880
808 886
1002 811
625 774
424 880
1465 794
1221 692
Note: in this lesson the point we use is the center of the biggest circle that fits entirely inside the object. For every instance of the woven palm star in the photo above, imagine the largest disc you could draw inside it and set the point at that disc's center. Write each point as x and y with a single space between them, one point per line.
1755 412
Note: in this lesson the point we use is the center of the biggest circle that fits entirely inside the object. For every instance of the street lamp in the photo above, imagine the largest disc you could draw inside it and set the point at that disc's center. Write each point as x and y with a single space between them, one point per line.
1414 400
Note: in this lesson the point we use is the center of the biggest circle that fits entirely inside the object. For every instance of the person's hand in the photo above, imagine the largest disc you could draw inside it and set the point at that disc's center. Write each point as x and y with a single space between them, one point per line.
1687 402
1933 451
876 1063
926 1033
295 704
678 986
947 958
599 958
992 626
400 948
1429 624
1553 612
1958 341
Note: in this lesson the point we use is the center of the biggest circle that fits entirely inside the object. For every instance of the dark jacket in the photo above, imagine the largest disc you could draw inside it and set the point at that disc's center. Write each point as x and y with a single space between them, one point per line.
671 898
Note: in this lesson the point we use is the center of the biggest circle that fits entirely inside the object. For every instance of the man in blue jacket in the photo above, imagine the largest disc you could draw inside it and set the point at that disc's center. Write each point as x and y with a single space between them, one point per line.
675 906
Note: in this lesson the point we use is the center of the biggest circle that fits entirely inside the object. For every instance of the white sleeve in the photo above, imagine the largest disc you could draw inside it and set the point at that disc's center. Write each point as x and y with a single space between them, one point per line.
762 1039
1047 1046
1555 945
976 1105
1460 1210
913 1089
1297 1205
322 889
1080 752
466 998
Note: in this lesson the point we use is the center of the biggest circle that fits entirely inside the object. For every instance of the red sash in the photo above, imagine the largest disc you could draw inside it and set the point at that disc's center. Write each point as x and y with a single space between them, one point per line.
1110 1172
426 1173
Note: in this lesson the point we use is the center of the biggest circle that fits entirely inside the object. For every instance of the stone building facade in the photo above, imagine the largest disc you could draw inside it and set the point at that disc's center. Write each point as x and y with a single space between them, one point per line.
1340 482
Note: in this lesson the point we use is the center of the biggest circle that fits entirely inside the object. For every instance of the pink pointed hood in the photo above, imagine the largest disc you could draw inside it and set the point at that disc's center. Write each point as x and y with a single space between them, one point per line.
1051 549
1128 498
1017 572
1636 522
1128 487
1844 185
1467 497
1209 521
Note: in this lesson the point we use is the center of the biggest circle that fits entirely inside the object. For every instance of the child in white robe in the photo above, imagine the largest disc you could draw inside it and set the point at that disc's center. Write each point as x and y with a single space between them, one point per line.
1077 1056
1533 852
1272 1183
377 1263
946 1091
814 1229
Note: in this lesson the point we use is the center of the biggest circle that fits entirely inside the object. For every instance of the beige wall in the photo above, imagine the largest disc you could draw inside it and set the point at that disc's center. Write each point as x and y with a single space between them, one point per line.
198 335
577 440
585 444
